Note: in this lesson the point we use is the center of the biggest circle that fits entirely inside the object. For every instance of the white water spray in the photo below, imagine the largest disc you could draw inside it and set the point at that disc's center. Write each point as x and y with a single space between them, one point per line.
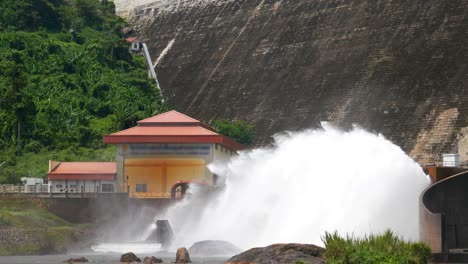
310 182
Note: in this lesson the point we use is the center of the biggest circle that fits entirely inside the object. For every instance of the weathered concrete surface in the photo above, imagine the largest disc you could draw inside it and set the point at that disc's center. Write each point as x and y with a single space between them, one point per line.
396 67
101 209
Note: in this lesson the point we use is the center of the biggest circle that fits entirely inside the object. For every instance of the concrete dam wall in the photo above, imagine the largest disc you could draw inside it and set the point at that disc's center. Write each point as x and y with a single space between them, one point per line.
395 67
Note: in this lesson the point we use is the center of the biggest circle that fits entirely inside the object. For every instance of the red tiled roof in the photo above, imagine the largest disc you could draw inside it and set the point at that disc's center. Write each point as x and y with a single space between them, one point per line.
171 127
170 117
83 171
131 39
166 131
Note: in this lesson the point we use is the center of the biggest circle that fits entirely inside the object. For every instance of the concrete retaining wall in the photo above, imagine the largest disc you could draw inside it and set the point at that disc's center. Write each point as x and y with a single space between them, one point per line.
99 209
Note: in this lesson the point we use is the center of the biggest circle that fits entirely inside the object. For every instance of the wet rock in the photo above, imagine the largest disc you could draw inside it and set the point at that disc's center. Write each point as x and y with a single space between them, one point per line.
280 253
214 248
182 256
152 260
73 260
129 257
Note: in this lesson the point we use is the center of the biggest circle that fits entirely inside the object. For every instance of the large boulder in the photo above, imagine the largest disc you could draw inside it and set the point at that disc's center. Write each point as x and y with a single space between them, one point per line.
182 256
211 248
280 253
129 257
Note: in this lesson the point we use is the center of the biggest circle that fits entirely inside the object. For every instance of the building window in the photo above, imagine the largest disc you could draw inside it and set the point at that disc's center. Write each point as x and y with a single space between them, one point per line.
72 185
107 187
141 187
58 186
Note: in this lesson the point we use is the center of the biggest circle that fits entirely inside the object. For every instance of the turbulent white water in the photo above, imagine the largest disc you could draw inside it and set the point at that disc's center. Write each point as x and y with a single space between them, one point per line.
310 182
137 248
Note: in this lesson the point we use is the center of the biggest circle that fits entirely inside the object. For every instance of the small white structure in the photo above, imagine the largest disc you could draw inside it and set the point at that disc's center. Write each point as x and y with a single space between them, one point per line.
32 185
81 177
451 160
135 44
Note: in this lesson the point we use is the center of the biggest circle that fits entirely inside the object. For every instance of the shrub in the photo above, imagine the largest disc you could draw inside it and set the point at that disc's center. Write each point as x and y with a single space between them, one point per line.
384 248
237 130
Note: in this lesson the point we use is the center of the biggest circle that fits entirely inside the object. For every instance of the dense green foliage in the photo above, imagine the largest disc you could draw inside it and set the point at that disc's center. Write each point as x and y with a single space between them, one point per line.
237 130
386 248
66 79
40 231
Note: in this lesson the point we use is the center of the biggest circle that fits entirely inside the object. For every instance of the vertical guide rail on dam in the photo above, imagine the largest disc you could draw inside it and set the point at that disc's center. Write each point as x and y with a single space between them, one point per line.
444 218
149 62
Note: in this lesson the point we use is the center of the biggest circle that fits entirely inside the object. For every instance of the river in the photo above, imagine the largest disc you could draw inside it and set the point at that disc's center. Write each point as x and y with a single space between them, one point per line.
107 254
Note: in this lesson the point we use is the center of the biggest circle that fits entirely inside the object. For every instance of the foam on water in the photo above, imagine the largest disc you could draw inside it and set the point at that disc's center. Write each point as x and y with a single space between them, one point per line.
308 183
137 248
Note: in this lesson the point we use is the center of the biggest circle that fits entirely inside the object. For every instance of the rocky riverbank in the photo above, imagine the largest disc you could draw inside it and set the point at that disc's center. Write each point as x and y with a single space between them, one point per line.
14 236
33 241
28 230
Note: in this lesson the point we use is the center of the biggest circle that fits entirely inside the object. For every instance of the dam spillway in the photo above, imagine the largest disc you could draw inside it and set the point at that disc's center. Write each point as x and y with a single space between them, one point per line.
395 67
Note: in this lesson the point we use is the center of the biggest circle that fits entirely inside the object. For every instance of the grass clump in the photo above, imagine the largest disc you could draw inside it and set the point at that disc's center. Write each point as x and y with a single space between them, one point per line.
24 214
384 248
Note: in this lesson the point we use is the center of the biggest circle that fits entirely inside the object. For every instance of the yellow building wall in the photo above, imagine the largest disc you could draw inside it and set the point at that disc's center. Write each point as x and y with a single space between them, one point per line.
161 174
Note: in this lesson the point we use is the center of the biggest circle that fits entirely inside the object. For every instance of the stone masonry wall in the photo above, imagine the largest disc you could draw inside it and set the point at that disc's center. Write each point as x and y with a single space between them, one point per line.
395 67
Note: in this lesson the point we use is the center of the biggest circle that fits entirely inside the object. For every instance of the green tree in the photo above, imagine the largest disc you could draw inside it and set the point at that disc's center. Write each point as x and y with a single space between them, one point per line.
237 130
66 79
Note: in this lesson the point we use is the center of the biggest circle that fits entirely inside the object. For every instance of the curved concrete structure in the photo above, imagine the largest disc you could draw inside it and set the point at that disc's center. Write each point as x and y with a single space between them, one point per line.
444 215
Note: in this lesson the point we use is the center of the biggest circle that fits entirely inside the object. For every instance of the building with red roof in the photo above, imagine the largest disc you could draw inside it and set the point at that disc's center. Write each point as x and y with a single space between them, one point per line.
162 151
81 176
155 159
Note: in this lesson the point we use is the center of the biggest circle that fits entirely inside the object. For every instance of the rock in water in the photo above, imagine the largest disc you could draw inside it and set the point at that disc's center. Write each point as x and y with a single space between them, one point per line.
182 256
73 260
214 248
280 253
129 257
152 260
